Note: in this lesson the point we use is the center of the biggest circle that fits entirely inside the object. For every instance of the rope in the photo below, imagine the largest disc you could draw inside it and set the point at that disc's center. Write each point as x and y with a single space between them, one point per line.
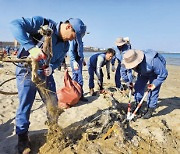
7 93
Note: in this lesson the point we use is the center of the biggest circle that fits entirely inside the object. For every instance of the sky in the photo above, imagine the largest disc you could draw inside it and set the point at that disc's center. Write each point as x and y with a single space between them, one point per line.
150 24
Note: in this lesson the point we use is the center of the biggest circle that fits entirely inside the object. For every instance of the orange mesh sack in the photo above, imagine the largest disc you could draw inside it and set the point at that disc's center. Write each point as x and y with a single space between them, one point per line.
70 94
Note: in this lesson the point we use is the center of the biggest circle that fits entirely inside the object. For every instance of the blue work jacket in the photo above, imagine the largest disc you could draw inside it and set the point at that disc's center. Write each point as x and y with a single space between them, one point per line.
97 61
153 65
24 31
74 53
118 55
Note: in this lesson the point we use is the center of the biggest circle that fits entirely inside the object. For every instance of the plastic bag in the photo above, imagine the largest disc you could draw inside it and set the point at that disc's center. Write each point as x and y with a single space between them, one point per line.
70 94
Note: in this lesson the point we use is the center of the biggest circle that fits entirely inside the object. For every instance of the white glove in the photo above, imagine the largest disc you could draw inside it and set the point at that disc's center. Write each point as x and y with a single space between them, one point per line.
76 65
113 68
48 71
36 54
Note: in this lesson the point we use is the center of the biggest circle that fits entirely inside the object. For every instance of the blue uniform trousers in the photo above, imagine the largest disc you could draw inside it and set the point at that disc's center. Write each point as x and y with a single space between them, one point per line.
140 86
118 75
91 71
77 74
26 93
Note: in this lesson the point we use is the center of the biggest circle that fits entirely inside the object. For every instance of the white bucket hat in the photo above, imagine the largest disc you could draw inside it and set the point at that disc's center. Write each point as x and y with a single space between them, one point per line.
132 58
121 41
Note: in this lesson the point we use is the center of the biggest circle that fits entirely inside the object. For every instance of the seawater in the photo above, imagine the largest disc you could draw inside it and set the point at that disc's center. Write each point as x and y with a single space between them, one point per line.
171 58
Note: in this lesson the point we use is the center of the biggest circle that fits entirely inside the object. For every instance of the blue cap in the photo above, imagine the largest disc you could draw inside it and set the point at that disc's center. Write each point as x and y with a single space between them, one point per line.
80 30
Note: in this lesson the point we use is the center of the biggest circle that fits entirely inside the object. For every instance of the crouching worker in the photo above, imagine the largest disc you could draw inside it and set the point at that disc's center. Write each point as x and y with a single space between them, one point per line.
95 64
151 69
25 30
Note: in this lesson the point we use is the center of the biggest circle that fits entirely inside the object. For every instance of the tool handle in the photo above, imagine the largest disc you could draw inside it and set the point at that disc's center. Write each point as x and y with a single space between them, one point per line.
139 105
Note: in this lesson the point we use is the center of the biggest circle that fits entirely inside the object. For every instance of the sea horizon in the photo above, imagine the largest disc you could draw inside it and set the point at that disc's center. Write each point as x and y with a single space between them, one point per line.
171 58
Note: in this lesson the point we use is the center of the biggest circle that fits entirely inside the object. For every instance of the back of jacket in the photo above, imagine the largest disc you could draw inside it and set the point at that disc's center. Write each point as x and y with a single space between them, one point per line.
26 29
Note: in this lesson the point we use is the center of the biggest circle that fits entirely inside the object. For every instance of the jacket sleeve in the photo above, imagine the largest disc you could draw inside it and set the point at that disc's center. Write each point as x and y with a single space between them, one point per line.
100 60
126 74
72 51
113 60
81 50
108 67
21 28
160 70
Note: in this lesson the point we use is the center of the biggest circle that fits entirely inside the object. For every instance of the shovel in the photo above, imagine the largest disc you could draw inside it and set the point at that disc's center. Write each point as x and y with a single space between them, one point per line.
129 118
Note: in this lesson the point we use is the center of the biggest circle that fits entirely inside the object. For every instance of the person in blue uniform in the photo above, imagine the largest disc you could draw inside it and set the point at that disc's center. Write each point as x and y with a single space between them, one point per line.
123 44
151 69
25 31
95 64
77 61
8 48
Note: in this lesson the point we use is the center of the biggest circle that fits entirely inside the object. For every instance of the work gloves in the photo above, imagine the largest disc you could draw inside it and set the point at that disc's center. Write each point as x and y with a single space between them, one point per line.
48 71
151 87
36 54
108 76
113 68
75 65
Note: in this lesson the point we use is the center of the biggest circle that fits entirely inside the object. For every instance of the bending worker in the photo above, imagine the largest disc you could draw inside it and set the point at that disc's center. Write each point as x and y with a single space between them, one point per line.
77 62
25 31
123 44
151 69
95 64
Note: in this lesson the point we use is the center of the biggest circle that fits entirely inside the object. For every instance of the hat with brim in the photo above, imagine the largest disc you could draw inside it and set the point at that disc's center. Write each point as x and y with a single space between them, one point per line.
80 30
132 58
120 41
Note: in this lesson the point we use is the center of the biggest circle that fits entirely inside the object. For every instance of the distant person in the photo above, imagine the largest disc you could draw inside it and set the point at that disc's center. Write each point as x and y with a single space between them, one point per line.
4 50
123 44
77 61
25 31
95 64
8 48
15 51
151 69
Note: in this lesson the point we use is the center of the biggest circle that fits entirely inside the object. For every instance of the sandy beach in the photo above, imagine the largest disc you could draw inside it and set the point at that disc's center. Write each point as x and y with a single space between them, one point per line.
159 134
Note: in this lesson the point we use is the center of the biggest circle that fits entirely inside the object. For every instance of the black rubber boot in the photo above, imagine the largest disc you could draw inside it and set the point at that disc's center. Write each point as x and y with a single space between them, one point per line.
83 99
23 143
149 113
